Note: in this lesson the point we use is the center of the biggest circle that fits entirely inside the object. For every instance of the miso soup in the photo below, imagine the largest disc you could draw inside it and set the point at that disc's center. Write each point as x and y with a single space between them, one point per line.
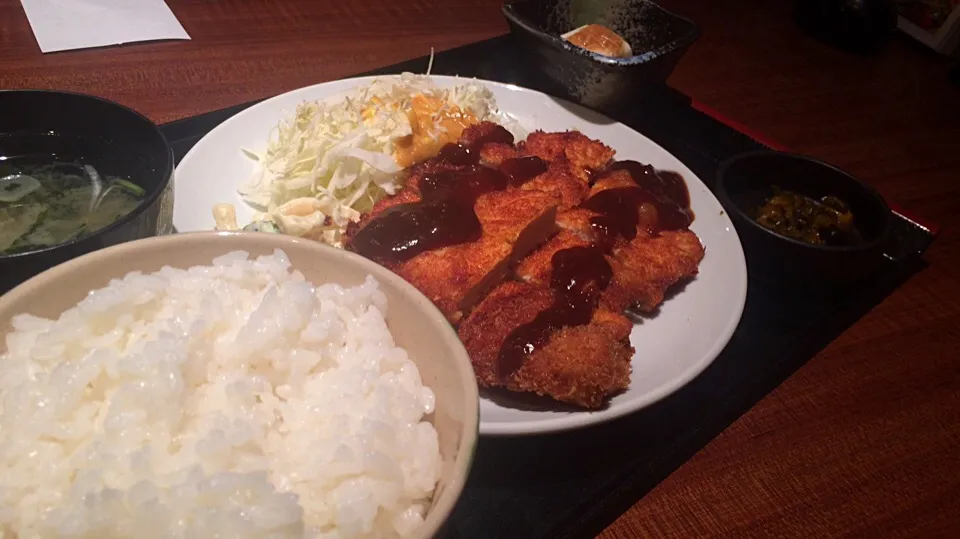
46 202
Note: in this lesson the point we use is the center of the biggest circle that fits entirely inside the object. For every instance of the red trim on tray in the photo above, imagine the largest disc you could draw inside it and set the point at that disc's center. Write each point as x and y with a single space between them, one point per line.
759 137
766 141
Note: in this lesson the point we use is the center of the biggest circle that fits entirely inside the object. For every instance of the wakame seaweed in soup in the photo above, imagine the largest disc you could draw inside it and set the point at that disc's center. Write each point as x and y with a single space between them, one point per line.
43 204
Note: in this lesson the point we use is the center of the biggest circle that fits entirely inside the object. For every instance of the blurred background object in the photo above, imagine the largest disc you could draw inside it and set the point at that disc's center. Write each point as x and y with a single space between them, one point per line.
855 25
935 23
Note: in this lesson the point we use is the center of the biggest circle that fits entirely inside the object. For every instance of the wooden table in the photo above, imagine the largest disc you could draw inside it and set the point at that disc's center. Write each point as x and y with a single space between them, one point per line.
865 438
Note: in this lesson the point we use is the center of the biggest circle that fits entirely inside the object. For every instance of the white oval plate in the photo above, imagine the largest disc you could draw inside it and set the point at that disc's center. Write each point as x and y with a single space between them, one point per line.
672 347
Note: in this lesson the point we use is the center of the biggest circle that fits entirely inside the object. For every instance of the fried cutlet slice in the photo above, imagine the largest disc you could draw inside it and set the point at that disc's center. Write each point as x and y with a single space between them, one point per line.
580 365
611 180
411 189
574 231
584 154
537 268
524 219
649 265
403 196
644 268
410 192
560 180
485 130
587 155
577 221
495 153
455 278
546 146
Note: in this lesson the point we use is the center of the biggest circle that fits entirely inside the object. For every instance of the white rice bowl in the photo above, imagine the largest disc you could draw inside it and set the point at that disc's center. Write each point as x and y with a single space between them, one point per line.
232 400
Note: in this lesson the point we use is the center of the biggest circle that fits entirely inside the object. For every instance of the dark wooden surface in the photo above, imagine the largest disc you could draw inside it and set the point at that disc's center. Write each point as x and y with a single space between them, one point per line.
865 439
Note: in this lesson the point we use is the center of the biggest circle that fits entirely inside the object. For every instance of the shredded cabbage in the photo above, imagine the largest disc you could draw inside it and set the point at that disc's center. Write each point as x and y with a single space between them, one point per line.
332 160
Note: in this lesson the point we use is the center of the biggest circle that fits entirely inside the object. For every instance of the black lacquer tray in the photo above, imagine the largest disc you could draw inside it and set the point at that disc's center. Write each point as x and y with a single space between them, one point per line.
574 484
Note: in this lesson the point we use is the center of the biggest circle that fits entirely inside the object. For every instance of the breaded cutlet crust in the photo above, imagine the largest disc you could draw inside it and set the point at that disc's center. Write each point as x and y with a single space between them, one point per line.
470 135
579 364
577 221
455 278
643 269
537 267
546 146
522 229
584 154
560 180
495 153
507 214
587 155
404 196
513 223
611 180
649 265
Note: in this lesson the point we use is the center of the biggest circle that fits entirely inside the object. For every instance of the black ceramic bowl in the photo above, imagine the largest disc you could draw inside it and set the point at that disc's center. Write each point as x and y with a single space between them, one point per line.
747 180
657 37
116 140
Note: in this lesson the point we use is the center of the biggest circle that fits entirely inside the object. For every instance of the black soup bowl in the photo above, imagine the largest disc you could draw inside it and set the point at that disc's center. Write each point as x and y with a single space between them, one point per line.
746 181
41 125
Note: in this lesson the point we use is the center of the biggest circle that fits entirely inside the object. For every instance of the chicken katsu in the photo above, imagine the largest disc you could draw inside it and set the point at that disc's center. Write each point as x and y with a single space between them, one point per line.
534 251
579 364
454 230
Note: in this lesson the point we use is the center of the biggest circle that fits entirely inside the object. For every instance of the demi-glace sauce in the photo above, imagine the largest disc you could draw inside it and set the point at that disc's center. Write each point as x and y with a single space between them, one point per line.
669 184
658 202
469 154
444 216
581 274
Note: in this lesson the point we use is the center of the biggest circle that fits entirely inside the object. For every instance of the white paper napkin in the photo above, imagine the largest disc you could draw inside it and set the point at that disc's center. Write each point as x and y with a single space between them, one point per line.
62 25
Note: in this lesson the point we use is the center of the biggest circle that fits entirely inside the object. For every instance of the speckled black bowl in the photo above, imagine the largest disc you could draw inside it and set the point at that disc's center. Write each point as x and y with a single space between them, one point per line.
658 38
746 181
118 141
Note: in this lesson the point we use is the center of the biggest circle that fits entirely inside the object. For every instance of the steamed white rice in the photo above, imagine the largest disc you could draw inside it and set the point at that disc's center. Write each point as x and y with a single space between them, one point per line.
232 400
